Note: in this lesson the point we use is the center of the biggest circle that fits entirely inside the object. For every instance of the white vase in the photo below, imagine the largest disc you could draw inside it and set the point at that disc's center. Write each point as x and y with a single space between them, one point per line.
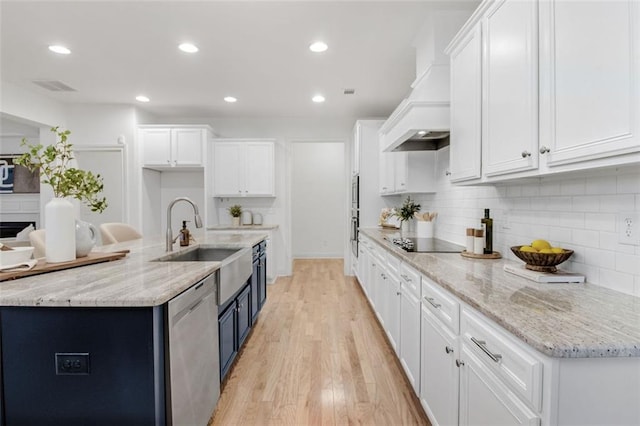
60 227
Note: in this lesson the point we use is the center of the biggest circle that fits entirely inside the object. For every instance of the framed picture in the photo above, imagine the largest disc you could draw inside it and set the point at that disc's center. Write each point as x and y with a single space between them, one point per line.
16 179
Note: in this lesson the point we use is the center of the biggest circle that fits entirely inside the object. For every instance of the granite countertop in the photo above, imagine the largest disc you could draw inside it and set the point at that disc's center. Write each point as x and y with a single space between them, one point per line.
135 280
559 320
242 227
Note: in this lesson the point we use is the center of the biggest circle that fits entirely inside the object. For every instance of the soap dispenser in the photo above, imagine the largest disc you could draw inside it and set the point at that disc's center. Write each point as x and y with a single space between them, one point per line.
185 235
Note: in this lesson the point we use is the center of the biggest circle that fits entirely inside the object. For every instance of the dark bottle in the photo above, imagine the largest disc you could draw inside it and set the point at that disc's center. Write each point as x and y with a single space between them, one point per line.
487 225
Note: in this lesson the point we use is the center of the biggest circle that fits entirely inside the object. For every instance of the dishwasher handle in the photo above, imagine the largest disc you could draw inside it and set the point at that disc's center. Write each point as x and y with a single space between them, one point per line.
189 299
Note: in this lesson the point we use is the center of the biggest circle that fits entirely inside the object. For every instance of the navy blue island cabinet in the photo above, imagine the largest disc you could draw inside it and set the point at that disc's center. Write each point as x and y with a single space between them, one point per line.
79 366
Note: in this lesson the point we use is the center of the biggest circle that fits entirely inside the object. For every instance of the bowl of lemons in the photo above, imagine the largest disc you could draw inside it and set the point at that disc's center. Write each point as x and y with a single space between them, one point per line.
541 256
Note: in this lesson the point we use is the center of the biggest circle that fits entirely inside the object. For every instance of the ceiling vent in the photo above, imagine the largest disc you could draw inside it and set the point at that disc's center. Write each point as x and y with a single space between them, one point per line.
349 91
53 85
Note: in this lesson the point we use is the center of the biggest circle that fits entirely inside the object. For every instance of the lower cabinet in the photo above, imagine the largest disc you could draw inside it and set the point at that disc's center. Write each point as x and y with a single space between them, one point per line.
228 339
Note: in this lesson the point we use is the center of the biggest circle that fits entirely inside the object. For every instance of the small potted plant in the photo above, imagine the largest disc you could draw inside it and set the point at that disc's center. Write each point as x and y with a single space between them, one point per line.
406 212
53 162
235 211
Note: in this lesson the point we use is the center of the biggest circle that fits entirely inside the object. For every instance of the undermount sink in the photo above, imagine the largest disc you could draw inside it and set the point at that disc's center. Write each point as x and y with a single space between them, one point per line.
201 254
234 272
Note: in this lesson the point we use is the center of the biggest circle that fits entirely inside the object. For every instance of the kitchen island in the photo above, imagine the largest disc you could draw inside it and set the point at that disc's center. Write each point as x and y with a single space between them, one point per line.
495 348
132 341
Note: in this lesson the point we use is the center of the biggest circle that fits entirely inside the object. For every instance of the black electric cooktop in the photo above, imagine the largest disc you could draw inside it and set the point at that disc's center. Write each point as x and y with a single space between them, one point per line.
426 245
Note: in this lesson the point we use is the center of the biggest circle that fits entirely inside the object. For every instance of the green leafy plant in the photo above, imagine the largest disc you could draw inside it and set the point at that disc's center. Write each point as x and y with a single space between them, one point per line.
235 210
407 210
53 163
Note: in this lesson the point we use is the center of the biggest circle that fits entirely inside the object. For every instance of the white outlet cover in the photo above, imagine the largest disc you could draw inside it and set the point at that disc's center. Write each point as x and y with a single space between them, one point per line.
629 228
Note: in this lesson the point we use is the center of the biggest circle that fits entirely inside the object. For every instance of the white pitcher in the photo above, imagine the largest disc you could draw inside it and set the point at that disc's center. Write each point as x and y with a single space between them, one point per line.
86 237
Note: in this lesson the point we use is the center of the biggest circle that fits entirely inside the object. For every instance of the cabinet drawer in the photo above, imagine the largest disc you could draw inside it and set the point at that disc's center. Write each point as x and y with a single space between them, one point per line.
443 306
410 279
509 359
393 264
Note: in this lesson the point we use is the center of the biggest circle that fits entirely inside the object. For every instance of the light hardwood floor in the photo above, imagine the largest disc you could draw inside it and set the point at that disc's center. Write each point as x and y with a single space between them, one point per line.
317 356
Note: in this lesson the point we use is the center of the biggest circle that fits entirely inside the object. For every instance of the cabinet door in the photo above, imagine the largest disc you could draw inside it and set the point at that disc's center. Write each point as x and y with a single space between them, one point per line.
382 299
156 145
439 381
255 291
259 169
466 108
228 166
410 337
510 86
187 147
227 339
386 177
392 324
372 275
590 89
486 401
400 171
243 309
363 266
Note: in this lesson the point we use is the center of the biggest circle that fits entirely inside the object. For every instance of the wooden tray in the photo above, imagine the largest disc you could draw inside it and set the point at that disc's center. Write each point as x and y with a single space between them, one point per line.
494 255
42 267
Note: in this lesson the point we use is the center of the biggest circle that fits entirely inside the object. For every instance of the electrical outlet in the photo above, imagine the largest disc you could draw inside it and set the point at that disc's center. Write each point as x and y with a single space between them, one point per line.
72 364
629 228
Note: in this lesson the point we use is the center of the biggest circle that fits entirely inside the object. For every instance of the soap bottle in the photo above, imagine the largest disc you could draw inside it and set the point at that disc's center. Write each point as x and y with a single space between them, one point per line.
185 235
487 226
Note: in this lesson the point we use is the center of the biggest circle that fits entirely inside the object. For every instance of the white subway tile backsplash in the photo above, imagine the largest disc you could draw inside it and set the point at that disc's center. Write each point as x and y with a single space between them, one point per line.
514 191
530 190
628 183
585 238
573 187
600 221
585 203
571 220
558 204
600 258
559 236
627 263
617 203
549 188
618 281
601 185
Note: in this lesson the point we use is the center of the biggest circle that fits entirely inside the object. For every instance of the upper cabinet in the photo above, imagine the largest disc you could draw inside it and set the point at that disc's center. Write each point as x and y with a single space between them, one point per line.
173 147
243 168
555 95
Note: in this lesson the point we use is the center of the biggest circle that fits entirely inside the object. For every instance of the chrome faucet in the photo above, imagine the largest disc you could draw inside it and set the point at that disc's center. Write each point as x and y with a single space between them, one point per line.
197 219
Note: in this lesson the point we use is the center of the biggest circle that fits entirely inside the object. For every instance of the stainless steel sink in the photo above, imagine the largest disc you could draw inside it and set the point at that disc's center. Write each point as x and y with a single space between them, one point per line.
234 272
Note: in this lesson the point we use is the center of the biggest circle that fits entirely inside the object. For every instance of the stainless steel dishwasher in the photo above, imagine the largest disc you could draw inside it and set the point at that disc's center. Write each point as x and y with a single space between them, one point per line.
193 353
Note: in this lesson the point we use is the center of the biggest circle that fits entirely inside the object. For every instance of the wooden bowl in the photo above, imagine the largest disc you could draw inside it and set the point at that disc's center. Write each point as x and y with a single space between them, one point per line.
541 262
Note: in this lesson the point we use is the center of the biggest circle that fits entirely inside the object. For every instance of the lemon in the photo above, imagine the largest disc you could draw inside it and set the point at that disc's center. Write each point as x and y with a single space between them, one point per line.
540 244
529 249
546 250
557 250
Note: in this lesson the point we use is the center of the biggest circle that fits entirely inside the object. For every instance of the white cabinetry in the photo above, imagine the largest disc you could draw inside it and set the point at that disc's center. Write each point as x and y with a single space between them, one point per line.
410 325
557 96
243 168
366 149
466 104
172 147
407 172
510 86
589 80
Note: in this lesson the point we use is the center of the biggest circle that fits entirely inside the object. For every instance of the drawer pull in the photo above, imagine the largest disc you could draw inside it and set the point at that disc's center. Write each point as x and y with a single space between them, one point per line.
459 363
406 278
431 301
398 293
448 349
481 344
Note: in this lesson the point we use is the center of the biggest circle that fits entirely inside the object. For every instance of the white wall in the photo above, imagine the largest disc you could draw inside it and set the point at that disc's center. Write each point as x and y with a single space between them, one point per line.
32 106
318 189
575 212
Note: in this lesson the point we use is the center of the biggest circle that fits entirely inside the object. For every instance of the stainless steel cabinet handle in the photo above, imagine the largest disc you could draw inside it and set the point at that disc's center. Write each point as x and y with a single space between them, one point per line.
459 363
398 293
447 173
544 149
482 345
431 301
406 278
384 277
526 154
448 349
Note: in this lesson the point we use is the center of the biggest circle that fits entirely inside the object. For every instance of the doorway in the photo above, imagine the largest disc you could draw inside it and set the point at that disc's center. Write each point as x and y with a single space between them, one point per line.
318 207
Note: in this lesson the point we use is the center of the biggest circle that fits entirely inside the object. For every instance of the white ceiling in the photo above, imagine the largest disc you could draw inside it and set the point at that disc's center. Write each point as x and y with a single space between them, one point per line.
256 51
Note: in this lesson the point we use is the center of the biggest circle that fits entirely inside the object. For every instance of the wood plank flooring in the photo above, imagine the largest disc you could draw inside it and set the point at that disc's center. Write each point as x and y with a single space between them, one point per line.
317 356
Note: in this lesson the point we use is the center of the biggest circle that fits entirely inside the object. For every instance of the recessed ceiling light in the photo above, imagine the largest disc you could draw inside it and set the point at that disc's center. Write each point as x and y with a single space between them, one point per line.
230 99
318 47
142 98
422 132
188 47
59 49
318 99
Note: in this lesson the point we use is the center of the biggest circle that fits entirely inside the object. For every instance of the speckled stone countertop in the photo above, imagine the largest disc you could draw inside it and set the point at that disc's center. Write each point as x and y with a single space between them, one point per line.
559 320
242 228
136 280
